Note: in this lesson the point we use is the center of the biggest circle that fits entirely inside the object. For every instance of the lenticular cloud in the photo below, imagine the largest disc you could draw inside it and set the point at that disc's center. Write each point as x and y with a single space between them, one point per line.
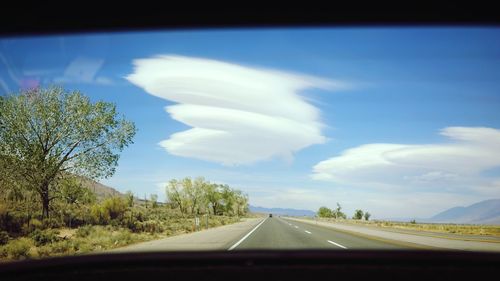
238 114
458 164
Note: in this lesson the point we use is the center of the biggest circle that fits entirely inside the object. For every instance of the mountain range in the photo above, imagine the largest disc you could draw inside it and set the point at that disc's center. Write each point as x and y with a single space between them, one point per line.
484 212
282 211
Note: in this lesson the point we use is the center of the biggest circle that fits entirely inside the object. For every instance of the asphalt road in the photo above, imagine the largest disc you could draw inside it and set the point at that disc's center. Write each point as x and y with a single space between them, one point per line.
279 233
293 233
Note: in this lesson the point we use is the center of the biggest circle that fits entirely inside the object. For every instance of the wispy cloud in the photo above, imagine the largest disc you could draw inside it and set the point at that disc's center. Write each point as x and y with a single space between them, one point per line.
84 70
238 114
455 166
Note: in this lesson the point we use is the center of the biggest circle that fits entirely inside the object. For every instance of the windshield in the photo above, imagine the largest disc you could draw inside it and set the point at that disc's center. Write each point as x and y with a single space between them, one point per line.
294 138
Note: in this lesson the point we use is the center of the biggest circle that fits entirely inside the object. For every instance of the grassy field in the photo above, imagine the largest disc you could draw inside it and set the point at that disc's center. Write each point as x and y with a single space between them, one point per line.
96 238
465 229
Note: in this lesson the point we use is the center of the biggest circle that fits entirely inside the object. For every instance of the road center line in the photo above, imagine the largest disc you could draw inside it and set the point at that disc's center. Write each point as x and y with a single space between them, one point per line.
308 232
336 244
296 226
246 236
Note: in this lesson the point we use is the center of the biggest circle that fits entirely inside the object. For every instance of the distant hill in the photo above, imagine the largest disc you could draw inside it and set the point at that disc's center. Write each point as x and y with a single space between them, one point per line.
101 190
484 212
282 211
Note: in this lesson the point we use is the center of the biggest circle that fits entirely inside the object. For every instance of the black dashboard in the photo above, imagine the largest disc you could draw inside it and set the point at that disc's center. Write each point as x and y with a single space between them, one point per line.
260 265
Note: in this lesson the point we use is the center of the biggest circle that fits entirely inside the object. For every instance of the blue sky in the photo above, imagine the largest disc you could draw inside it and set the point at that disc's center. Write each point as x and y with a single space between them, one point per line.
400 122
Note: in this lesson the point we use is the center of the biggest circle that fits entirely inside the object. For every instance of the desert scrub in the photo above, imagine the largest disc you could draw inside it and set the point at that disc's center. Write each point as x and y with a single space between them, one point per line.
42 237
464 229
84 231
18 248
4 237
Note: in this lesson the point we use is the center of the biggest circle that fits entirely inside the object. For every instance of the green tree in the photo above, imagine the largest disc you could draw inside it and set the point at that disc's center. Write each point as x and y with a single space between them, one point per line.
154 201
325 212
358 214
47 132
177 196
337 213
72 192
213 197
194 192
228 199
367 216
129 197
241 203
72 195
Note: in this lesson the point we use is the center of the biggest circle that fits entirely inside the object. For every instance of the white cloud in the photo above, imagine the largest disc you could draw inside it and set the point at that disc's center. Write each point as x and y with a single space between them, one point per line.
455 166
238 114
295 198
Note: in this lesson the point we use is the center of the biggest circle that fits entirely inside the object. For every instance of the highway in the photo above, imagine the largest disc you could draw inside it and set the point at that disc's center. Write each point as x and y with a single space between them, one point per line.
294 233
262 233
279 233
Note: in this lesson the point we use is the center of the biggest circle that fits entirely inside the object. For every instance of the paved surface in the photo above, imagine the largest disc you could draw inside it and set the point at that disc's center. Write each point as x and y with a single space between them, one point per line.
411 239
293 233
219 238
279 233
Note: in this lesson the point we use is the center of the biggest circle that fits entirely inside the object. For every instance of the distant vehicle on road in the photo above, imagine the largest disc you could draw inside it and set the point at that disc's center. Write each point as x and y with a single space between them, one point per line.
270 215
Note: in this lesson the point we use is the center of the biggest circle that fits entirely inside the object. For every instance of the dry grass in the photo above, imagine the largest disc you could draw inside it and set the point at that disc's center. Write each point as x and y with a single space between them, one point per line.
96 238
464 229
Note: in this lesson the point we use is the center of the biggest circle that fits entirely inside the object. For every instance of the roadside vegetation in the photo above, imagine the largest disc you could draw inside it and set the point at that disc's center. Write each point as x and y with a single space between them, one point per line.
52 144
465 229
363 218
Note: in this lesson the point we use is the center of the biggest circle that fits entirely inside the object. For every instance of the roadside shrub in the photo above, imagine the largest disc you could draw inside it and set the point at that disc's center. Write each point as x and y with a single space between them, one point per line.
150 226
32 225
83 231
51 223
11 222
44 251
3 252
62 247
19 248
122 238
115 207
4 237
99 215
42 237
134 226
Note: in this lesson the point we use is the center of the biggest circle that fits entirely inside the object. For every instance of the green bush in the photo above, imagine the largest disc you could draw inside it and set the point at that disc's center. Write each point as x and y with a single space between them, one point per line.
62 247
42 237
122 238
32 225
51 223
3 252
11 221
150 226
19 248
4 237
115 207
83 231
99 215
44 251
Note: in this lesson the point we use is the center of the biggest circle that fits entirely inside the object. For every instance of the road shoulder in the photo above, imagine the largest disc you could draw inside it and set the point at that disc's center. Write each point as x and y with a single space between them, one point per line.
421 241
220 238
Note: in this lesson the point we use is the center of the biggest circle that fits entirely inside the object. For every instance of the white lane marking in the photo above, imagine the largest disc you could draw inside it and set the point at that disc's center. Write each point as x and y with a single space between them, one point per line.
296 226
308 232
336 244
246 236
